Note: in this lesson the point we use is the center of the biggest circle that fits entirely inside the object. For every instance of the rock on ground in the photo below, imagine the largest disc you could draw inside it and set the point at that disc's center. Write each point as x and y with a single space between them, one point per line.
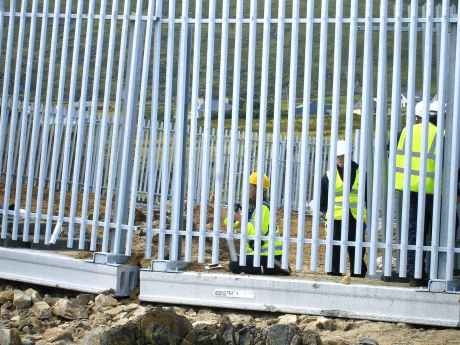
6 296
287 319
34 295
41 310
69 310
104 301
21 300
326 324
104 320
284 334
84 299
367 341
9 337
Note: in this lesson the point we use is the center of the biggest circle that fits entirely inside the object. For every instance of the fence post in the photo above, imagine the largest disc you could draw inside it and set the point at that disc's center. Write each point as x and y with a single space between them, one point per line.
136 49
443 231
181 147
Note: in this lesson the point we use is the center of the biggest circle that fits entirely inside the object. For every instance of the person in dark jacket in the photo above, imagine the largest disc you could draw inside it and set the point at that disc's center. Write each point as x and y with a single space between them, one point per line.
338 210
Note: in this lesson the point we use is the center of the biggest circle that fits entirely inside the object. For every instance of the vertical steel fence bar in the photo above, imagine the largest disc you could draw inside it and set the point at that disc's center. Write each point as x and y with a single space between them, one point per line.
395 119
333 147
366 114
116 127
439 141
421 202
69 129
219 168
262 132
319 135
234 136
305 145
193 146
6 82
290 159
226 163
248 129
81 130
351 77
48 108
130 114
140 120
153 142
92 141
2 18
408 143
24 122
102 154
453 176
57 122
276 134
36 118
13 121
181 113
166 131
207 130
380 134
142 177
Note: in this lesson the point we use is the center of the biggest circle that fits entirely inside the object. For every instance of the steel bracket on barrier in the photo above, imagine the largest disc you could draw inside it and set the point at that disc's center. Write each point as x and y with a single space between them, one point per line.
127 276
168 266
109 258
444 286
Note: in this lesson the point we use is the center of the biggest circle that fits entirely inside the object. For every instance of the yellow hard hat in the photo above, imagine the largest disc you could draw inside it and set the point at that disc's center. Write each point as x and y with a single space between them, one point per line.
253 180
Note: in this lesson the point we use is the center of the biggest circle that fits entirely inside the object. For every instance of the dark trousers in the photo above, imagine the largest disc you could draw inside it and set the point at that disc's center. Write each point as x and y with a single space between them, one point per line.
263 269
412 235
351 249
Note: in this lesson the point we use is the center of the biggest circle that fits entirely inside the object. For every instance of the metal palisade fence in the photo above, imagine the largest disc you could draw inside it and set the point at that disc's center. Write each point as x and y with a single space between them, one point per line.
143 174
111 107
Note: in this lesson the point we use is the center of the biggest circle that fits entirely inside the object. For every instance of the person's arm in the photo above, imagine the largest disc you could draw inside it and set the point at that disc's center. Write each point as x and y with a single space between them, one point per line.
324 192
354 171
236 217
458 187
251 231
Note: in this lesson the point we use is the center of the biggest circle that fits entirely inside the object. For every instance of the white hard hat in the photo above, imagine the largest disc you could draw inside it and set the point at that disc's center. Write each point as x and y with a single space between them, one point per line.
420 109
341 148
433 109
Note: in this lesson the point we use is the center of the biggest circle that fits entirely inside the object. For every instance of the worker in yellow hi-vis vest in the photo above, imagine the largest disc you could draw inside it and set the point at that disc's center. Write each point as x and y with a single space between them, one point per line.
338 210
416 159
251 231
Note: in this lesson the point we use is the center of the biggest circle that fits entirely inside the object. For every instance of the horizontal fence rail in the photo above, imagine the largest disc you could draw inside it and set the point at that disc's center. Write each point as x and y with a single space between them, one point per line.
134 127
143 174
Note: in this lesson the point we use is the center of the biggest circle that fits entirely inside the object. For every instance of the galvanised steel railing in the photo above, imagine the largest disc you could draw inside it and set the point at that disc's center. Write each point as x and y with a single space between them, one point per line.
271 61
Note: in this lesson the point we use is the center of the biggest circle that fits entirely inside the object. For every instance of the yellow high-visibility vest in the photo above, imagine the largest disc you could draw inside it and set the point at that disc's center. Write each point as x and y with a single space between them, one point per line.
352 198
251 231
415 159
